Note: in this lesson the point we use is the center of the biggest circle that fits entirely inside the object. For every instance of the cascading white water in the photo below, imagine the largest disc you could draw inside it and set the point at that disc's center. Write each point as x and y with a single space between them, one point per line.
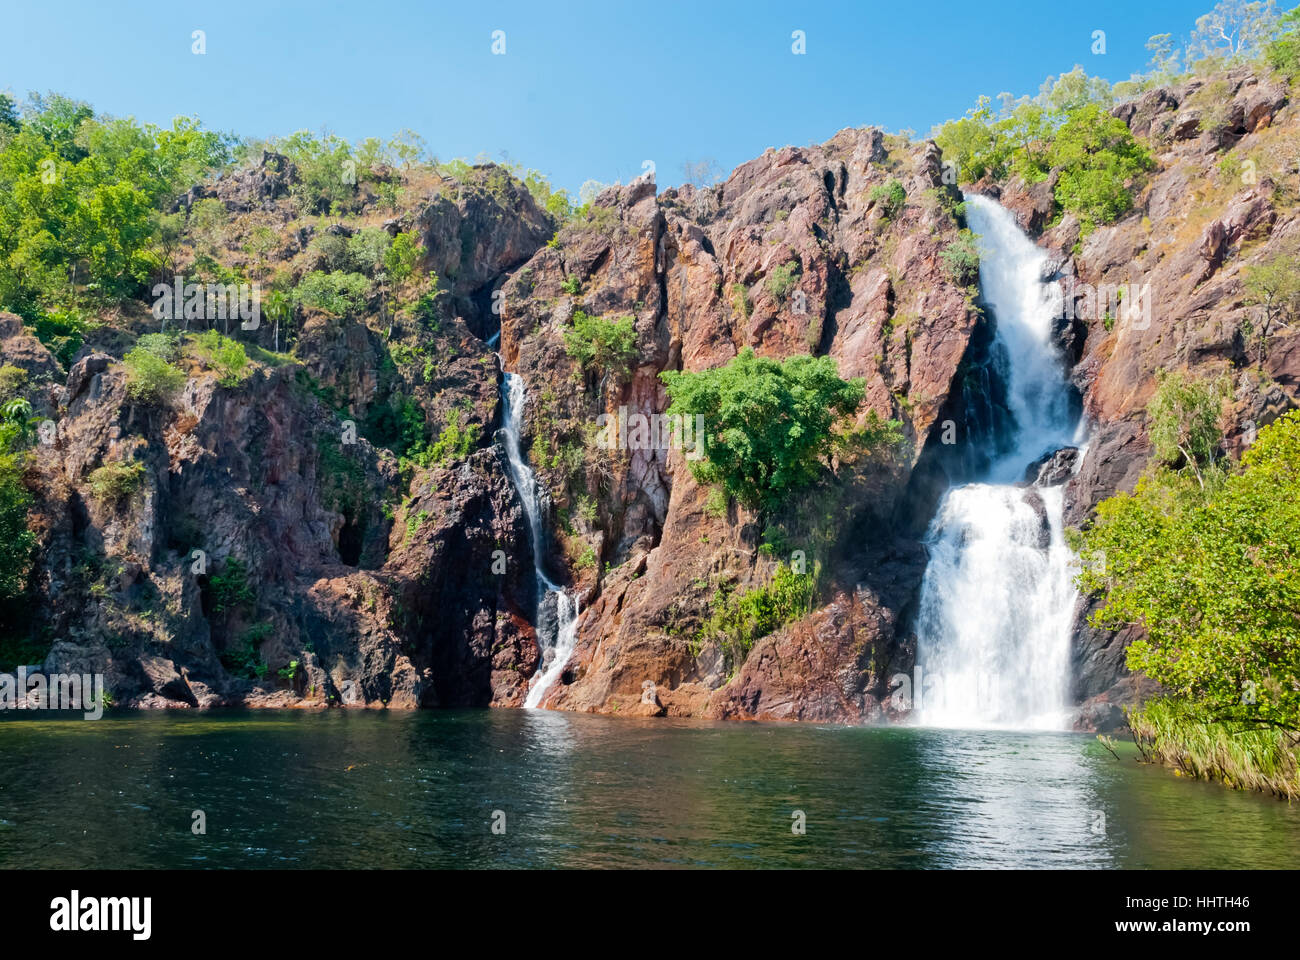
993 628
558 644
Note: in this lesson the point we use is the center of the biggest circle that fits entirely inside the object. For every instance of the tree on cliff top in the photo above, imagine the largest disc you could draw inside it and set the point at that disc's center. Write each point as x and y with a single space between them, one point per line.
769 425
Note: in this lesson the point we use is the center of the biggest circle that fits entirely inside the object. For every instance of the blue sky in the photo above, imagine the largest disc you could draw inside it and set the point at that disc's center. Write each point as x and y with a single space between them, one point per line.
585 89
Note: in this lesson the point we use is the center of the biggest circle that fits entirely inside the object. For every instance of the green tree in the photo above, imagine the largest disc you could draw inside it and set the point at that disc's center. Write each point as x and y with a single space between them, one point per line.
1283 51
1183 421
1273 286
17 542
1098 157
1214 579
603 345
150 378
768 423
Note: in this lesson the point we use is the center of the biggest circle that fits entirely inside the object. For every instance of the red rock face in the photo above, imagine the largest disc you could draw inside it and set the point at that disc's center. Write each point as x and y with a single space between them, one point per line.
695 267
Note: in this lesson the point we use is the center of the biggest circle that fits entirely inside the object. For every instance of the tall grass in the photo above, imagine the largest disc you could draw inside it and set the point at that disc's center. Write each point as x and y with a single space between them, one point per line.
1239 755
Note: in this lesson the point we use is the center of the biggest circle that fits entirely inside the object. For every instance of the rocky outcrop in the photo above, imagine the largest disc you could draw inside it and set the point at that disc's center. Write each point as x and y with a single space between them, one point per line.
791 254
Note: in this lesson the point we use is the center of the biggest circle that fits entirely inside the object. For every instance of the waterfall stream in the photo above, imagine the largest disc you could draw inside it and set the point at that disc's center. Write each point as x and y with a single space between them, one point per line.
993 627
556 639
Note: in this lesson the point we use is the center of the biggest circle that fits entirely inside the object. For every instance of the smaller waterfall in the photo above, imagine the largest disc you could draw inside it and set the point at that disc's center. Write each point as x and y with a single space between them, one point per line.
557 644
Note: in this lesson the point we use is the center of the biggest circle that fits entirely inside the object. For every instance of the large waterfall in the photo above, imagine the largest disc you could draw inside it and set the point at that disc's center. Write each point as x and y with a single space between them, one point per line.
993 628
555 637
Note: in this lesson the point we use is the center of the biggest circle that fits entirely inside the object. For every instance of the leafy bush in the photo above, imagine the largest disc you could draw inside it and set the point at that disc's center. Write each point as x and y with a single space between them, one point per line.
402 256
740 302
223 354
889 197
608 346
245 660
454 442
1184 416
738 621
962 259
327 172
149 377
339 293
1068 127
1213 575
63 332
1097 156
1283 53
768 423
782 280
13 381
17 542
114 481
229 588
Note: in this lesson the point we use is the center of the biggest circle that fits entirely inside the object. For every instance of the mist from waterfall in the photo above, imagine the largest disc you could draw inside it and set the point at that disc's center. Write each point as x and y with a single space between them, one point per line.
997 600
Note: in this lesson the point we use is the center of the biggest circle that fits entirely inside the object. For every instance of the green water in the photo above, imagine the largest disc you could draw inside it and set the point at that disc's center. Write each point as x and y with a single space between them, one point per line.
368 789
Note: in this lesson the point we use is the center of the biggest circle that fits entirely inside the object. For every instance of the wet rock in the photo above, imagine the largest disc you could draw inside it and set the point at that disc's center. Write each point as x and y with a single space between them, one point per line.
1052 469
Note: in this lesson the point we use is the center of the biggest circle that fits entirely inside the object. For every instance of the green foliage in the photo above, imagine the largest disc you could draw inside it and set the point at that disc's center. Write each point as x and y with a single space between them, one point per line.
738 620
63 332
1067 127
571 285
342 477
17 425
607 346
889 197
327 172
17 542
114 481
80 199
781 280
1274 287
454 442
149 377
228 357
13 381
1184 415
1097 157
414 522
961 258
740 302
1283 52
245 659
229 589
339 293
1214 578
402 256
1241 755
768 423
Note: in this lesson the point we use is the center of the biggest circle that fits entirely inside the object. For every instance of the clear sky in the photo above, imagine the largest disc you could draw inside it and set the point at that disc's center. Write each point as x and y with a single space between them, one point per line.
584 89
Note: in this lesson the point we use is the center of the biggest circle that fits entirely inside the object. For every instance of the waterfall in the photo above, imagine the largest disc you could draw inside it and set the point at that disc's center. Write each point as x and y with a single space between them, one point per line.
993 627
557 643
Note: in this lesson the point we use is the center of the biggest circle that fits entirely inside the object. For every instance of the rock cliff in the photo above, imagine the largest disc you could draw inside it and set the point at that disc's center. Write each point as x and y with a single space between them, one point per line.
329 571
